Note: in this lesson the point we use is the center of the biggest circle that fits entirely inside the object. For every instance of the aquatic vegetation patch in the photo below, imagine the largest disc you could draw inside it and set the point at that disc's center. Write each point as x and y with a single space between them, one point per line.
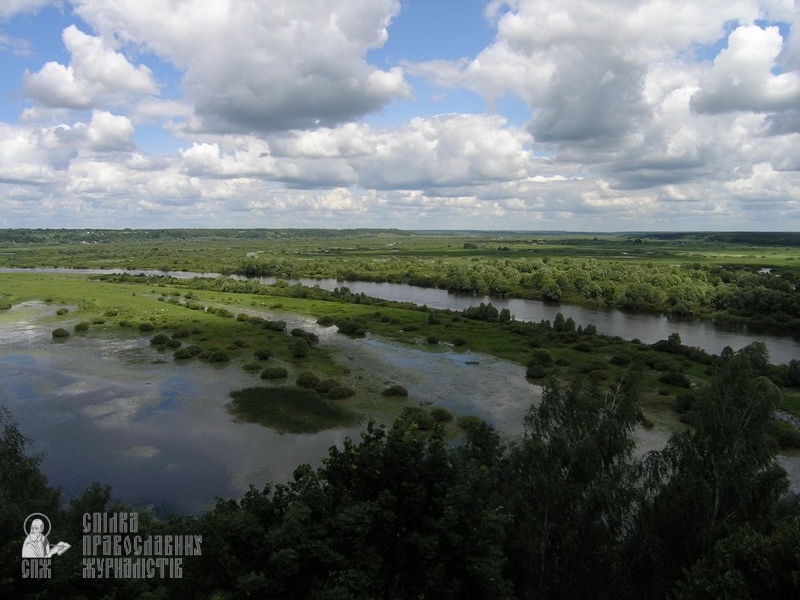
288 409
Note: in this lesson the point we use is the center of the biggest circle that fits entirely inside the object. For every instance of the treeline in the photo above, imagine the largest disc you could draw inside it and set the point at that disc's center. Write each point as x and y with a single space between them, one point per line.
690 289
89 235
567 511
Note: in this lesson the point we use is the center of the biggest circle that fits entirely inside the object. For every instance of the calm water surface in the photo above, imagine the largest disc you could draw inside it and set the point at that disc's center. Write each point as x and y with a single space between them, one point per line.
120 412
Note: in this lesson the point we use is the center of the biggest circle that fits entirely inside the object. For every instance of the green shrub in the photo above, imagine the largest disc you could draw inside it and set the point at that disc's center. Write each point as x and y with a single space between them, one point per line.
252 366
458 341
308 380
299 348
60 333
181 333
395 390
159 339
432 340
82 326
469 422
146 327
62 311
339 392
263 353
536 371
418 415
676 379
188 352
274 373
441 415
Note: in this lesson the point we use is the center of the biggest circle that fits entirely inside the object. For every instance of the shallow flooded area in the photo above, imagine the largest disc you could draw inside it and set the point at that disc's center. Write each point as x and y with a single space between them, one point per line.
115 410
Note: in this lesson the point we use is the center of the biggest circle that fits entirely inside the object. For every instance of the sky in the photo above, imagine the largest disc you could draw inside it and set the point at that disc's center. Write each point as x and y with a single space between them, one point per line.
577 115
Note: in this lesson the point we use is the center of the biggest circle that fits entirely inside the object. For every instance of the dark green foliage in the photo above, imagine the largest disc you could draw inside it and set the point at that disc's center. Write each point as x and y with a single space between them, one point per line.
288 409
252 366
469 423
432 340
675 378
394 516
263 353
60 333
339 392
214 355
458 341
441 415
274 373
275 325
537 371
484 312
146 327
395 390
418 417
62 311
81 327
710 481
570 488
308 380
749 564
159 340
299 348
352 327
188 352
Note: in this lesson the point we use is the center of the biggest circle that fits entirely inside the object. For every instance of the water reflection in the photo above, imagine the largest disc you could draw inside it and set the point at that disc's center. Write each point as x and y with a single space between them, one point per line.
117 411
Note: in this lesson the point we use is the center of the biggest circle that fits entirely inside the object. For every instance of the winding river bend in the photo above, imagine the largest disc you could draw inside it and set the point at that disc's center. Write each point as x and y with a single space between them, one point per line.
708 335
114 411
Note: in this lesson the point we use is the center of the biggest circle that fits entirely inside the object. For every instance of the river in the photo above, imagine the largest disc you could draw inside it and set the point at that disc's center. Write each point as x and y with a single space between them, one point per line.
711 336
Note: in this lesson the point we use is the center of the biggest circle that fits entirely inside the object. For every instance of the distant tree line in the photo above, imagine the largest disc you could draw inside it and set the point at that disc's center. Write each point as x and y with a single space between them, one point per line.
711 291
564 512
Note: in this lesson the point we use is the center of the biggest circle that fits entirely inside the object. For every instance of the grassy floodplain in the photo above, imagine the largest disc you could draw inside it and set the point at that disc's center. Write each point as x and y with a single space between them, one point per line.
194 319
737 276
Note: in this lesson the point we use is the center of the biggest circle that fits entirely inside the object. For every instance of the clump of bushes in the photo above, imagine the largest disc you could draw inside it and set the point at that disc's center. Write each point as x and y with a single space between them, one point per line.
352 327
395 390
214 355
146 327
62 311
308 336
275 325
60 333
299 348
274 373
441 415
676 379
82 326
188 352
469 422
159 340
308 380
263 353
252 366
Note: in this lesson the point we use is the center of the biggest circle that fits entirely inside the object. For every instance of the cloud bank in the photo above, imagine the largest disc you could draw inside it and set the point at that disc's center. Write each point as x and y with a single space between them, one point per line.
637 114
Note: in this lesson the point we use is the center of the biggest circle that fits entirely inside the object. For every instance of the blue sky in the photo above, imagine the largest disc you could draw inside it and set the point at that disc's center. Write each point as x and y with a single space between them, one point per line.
502 114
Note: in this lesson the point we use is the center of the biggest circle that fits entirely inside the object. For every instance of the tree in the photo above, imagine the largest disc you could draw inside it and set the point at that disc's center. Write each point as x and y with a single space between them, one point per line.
710 481
570 487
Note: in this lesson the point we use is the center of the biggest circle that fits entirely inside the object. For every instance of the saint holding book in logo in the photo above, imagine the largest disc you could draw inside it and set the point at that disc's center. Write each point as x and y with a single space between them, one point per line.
36 544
